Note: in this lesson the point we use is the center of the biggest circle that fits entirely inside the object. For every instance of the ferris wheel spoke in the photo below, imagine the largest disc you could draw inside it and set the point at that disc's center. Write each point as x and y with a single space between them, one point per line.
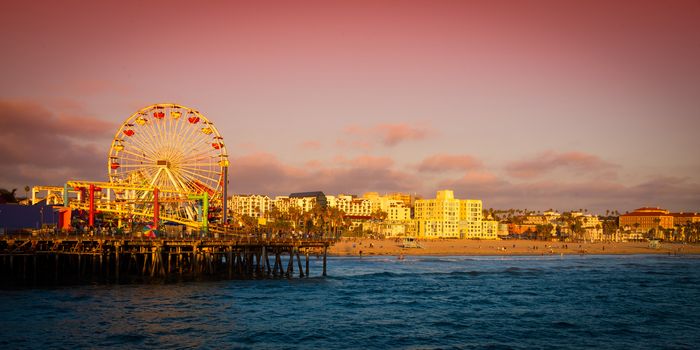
179 128
195 133
199 176
126 161
187 129
197 156
140 157
185 183
135 146
142 145
153 129
155 178
204 170
151 135
139 166
176 178
188 138
204 156
139 134
190 181
175 144
202 165
161 132
170 131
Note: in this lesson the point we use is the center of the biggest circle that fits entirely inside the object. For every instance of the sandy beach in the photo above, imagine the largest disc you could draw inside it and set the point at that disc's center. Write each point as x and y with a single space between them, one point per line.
356 246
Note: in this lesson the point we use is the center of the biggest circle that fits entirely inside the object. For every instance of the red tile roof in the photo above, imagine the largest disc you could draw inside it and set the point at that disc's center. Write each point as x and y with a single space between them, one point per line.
690 215
658 213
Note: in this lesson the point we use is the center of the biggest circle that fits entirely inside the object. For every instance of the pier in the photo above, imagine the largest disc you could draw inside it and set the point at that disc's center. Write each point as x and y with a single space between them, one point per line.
79 260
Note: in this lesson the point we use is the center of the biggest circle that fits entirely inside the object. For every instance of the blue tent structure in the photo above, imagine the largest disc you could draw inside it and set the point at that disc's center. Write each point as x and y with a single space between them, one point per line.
14 217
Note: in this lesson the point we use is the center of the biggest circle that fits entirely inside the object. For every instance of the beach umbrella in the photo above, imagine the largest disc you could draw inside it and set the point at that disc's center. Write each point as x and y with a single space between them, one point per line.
149 231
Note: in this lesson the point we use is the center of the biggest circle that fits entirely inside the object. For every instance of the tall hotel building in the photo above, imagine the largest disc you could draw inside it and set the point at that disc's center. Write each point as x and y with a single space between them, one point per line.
448 217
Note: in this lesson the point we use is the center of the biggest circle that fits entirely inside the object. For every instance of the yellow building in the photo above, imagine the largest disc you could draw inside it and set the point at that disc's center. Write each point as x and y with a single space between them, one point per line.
397 212
470 218
489 229
439 217
406 198
448 217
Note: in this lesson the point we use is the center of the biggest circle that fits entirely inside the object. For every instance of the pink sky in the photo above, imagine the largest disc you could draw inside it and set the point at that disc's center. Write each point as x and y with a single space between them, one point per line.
530 104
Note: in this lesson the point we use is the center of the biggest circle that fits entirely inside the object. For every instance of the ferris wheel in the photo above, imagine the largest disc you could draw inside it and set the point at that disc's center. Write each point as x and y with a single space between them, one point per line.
173 148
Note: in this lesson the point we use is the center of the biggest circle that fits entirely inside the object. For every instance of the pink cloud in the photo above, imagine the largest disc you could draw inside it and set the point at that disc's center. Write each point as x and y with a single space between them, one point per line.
549 161
365 161
310 145
313 164
391 134
39 146
29 118
595 195
448 162
266 174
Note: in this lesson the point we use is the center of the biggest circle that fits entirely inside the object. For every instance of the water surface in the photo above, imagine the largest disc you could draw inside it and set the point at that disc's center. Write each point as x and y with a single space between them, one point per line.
570 302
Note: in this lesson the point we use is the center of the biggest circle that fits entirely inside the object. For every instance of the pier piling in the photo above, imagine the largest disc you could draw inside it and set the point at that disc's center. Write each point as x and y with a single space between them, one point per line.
74 260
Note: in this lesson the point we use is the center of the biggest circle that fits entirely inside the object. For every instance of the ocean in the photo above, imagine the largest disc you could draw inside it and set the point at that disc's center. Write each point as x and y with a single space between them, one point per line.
570 302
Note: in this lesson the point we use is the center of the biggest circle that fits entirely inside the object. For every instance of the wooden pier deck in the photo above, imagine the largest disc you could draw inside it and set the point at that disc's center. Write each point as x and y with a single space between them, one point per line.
73 260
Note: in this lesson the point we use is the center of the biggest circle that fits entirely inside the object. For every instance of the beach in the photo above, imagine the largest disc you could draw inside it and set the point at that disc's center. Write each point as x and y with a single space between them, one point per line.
362 246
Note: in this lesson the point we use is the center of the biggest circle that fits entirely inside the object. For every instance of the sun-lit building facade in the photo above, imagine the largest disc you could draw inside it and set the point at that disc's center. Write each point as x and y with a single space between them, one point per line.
303 201
250 204
681 219
470 218
489 229
645 219
448 217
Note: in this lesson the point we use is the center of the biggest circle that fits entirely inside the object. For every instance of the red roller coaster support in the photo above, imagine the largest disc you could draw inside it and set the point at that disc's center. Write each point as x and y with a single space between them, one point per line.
156 208
91 204
91 200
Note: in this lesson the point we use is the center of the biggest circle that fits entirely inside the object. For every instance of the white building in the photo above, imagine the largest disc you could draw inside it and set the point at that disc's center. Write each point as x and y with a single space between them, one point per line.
250 204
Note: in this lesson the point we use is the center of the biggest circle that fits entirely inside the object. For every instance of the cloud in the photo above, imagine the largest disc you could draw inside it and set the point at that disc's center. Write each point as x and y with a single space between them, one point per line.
393 134
595 195
310 145
39 146
550 161
264 173
390 135
448 162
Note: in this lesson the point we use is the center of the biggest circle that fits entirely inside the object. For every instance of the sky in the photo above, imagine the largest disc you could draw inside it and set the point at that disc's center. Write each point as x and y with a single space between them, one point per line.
523 104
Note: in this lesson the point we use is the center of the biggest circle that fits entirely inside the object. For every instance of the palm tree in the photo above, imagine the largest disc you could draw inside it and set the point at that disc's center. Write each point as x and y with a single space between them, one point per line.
379 215
656 227
26 193
294 216
338 221
7 196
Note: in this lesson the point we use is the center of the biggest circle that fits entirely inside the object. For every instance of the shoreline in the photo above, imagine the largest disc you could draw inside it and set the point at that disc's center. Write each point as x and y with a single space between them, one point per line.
465 247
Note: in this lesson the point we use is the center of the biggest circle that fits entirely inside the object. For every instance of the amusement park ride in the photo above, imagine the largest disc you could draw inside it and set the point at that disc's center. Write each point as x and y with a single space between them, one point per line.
166 163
